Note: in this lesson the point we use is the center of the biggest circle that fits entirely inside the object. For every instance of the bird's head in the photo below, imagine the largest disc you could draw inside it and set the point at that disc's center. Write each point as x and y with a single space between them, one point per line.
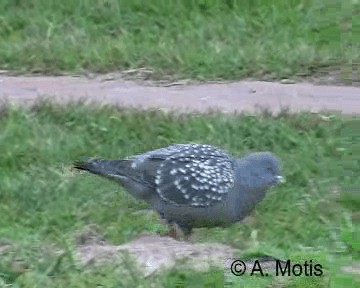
261 170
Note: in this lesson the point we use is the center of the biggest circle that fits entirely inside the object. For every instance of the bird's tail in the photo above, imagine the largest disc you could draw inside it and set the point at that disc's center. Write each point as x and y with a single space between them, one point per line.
102 167
119 171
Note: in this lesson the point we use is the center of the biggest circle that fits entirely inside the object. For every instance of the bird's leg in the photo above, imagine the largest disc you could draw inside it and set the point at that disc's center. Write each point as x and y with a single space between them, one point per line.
180 232
187 230
174 229
176 232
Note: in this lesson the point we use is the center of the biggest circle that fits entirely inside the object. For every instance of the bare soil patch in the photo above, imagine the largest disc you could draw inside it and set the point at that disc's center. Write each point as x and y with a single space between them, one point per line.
184 96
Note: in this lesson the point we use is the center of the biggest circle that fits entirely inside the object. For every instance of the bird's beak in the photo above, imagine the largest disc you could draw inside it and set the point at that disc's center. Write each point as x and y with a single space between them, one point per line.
280 179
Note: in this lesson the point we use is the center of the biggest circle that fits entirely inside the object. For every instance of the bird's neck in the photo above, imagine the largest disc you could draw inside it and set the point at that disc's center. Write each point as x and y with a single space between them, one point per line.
248 194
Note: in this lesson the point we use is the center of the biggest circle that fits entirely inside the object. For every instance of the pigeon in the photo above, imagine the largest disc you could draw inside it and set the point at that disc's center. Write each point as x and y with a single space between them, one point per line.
193 185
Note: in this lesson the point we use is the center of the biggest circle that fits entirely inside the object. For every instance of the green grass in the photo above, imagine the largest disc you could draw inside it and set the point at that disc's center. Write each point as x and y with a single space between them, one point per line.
187 39
44 204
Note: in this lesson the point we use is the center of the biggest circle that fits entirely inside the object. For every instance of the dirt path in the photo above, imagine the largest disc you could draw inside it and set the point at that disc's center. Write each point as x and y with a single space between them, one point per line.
227 97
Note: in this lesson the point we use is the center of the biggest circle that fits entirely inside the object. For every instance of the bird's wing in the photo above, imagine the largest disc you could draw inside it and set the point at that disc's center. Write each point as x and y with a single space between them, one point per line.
143 167
195 175
160 154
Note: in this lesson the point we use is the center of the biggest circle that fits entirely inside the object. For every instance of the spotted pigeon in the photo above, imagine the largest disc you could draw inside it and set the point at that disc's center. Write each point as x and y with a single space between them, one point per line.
193 185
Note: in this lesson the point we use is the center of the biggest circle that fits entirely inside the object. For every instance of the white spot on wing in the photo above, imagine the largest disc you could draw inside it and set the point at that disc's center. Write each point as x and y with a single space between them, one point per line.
193 170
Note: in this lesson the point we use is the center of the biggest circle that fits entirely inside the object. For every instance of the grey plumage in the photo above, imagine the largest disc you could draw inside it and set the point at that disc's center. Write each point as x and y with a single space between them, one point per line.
193 185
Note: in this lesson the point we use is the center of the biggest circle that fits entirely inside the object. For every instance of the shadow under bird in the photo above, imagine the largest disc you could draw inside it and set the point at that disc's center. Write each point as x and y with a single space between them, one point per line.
193 185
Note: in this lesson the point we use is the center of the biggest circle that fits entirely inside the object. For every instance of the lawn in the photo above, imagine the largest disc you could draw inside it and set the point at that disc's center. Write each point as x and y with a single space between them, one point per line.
184 39
44 204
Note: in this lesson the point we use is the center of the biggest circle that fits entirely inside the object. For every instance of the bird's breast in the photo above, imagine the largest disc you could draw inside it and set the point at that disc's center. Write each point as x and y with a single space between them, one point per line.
215 215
